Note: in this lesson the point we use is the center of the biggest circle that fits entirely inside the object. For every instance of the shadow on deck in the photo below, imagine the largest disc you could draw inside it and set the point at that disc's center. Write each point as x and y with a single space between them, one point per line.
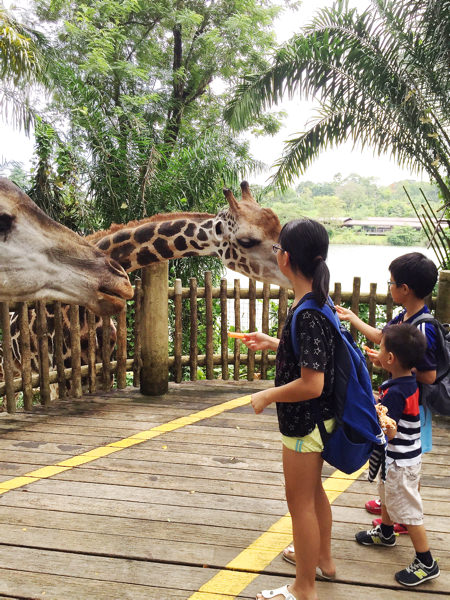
180 497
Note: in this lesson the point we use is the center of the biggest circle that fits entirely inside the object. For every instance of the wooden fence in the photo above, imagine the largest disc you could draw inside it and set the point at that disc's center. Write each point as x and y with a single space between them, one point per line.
141 347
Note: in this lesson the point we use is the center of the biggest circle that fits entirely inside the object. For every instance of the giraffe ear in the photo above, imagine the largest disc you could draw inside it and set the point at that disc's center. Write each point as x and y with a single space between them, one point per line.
246 193
234 205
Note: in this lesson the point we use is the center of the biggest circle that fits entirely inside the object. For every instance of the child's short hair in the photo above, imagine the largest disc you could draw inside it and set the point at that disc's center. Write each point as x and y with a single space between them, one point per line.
417 271
406 342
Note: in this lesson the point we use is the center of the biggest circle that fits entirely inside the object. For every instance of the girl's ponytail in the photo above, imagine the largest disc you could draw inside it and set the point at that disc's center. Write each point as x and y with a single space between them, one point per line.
321 281
306 241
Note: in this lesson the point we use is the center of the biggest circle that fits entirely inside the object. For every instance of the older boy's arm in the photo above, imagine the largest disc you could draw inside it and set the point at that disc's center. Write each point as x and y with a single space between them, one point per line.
426 376
371 333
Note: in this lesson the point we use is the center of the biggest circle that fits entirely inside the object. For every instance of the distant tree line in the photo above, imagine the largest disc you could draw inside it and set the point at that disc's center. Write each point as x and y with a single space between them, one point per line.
356 197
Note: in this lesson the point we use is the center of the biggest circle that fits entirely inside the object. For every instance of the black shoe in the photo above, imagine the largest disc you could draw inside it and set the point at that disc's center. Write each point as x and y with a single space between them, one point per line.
374 537
417 573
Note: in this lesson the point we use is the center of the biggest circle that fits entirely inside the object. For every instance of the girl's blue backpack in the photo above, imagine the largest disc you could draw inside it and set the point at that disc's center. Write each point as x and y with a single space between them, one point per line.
357 432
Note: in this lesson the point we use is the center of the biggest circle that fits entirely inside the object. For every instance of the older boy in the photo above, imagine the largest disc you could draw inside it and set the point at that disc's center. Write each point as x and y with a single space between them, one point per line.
402 347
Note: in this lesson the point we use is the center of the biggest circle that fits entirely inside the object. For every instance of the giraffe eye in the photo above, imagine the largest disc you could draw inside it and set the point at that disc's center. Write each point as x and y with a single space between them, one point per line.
219 229
248 242
6 222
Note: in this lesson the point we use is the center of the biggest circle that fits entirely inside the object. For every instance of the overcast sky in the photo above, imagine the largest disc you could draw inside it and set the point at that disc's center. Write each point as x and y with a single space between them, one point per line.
15 146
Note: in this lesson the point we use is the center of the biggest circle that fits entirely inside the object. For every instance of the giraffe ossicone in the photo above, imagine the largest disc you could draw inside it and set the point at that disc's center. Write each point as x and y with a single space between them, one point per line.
42 259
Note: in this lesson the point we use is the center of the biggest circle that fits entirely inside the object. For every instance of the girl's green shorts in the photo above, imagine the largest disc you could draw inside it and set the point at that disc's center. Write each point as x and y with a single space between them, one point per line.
311 442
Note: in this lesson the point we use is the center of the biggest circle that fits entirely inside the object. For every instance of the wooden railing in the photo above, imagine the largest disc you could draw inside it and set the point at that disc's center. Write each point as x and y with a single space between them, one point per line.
220 357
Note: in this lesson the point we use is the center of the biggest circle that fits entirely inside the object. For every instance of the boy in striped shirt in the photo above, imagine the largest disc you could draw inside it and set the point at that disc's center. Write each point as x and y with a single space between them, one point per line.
402 346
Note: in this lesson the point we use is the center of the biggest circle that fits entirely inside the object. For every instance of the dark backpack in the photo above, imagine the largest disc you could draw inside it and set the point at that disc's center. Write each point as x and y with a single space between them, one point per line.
357 432
437 395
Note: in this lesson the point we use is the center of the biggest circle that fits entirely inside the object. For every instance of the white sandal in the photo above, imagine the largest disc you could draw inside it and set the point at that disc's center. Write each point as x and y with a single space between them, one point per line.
282 591
319 573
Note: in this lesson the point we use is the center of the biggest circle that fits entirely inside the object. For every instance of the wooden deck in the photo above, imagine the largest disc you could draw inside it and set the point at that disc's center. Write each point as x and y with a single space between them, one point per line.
190 508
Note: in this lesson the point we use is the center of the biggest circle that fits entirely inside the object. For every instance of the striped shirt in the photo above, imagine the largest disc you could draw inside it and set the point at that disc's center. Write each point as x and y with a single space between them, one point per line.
401 397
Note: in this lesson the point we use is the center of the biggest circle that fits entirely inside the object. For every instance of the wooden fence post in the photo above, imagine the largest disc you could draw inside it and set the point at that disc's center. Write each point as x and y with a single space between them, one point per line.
443 298
155 330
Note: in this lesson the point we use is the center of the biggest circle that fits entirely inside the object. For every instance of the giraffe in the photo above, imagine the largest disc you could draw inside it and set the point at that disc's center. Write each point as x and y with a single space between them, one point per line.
40 258
240 234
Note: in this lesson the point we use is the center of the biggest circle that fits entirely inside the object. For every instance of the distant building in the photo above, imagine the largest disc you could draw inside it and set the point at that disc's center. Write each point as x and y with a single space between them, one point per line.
376 225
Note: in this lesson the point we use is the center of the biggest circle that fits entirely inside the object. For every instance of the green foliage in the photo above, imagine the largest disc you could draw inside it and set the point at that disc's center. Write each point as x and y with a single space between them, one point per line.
133 94
405 236
382 80
55 187
21 66
357 197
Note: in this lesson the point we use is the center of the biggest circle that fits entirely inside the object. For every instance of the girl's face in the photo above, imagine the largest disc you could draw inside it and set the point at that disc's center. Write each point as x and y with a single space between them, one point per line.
282 259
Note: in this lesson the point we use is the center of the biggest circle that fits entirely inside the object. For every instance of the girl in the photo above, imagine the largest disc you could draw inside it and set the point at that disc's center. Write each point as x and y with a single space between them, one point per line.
301 382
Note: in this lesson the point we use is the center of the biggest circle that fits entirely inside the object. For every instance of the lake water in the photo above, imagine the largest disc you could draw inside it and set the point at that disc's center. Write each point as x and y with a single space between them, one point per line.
348 261
345 262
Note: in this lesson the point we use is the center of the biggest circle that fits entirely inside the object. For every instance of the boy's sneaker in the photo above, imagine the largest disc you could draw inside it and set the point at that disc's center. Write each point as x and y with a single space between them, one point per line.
373 506
417 573
398 527
374 537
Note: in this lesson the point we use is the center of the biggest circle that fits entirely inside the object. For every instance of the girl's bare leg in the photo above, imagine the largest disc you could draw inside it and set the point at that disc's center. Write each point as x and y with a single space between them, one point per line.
323 511
302 473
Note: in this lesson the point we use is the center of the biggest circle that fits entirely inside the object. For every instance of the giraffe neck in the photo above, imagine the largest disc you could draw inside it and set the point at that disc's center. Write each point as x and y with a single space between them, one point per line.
242 246
159 238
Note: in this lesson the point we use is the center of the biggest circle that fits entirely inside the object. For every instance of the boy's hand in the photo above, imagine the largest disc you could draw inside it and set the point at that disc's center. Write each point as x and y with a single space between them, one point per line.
373 355
345 314
259 401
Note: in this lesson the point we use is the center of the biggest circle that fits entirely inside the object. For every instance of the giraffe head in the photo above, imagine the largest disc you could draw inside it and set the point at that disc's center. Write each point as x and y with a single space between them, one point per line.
40 258
245 233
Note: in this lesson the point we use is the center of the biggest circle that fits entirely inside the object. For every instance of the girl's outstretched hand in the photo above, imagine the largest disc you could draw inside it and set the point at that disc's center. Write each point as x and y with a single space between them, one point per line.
260 341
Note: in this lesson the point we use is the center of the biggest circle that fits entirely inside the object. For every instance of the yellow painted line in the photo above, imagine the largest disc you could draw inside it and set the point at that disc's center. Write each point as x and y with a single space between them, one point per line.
45 472
248 565
12 484
137 438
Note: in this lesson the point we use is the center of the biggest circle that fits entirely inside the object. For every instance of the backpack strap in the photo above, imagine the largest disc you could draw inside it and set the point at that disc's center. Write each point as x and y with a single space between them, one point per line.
327 311
441 333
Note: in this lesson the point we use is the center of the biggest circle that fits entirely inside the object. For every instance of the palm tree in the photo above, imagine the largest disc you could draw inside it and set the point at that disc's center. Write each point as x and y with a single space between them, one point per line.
21 65
382 79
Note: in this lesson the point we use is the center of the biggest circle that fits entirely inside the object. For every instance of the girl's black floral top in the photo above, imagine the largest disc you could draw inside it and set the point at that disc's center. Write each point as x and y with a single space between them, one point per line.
316 342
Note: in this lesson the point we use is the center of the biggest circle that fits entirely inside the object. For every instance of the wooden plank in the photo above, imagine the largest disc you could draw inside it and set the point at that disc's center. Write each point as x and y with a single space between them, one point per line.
25 355
209 325
194 328
251 327
7 357
224 329
237 327
131 547
75 349
44 586
152 517
121 351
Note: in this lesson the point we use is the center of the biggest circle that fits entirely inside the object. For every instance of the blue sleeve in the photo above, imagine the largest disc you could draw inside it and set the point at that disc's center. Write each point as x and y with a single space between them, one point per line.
397 319
428 362
395 403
